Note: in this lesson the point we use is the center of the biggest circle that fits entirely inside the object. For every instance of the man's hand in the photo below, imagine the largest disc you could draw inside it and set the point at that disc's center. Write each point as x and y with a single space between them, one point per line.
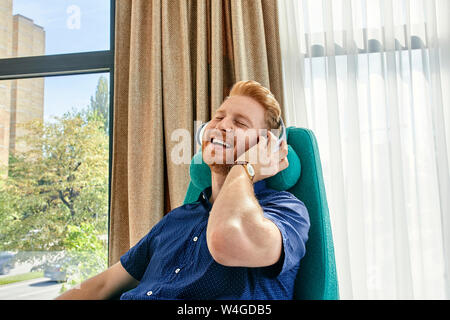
265 162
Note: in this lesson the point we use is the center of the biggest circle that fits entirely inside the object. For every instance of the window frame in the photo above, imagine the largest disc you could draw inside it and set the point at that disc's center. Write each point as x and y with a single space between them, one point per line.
76 63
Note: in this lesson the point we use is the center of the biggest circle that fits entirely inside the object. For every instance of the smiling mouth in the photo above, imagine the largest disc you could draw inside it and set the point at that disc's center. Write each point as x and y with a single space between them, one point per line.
221 143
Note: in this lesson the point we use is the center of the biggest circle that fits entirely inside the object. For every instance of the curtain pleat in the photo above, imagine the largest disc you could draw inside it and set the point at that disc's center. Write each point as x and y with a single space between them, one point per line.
352 162
436 104
175 62
401 234
338 197
290 41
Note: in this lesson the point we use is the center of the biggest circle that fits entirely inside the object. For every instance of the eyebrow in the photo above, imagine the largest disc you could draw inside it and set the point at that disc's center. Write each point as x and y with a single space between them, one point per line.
240 115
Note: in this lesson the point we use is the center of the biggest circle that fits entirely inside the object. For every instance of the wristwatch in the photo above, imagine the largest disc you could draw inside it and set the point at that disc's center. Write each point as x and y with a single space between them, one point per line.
248 169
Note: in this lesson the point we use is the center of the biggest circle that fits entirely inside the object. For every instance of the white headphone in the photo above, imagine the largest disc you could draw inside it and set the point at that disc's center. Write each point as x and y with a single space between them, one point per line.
282 136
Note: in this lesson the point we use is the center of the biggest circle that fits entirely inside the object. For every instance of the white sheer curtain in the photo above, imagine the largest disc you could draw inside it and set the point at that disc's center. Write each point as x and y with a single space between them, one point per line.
371 78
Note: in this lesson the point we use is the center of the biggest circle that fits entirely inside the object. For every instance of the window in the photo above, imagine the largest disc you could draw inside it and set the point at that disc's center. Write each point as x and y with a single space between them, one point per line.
55 133
53 27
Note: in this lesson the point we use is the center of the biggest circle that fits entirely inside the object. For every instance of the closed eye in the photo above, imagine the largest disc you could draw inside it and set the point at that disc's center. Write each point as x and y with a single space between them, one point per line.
239 122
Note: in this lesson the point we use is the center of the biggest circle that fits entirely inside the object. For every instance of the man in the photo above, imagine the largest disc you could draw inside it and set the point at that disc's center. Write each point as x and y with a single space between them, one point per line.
240 240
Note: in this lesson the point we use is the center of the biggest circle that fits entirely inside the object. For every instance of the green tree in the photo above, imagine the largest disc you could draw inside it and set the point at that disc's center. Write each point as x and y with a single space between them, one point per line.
98 108
57 189
85 253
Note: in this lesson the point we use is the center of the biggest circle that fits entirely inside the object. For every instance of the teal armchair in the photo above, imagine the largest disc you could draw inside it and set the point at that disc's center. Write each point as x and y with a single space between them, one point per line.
316 278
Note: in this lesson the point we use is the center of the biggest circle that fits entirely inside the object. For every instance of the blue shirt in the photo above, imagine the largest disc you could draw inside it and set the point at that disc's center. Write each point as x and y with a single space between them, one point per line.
173 261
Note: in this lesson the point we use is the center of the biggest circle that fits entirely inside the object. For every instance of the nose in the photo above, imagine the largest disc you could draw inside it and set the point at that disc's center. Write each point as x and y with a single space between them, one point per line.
225 125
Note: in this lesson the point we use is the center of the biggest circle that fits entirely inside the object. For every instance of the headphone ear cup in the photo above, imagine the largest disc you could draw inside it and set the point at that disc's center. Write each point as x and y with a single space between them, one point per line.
281 137
200 132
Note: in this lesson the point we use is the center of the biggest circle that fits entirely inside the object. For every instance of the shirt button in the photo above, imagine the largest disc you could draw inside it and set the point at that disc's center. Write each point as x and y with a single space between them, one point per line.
195 239
149 293
177 270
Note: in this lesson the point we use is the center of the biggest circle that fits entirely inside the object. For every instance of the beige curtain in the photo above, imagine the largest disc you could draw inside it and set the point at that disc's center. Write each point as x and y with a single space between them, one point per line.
175 61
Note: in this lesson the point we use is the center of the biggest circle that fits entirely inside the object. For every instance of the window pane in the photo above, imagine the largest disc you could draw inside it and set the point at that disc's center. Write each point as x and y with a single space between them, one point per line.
54 150
38 27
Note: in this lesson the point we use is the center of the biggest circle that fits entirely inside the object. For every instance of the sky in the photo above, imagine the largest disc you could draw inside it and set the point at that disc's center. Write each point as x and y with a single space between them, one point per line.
70 26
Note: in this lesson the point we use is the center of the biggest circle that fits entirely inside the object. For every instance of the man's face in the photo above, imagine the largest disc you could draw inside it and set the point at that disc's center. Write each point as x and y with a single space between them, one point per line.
232 131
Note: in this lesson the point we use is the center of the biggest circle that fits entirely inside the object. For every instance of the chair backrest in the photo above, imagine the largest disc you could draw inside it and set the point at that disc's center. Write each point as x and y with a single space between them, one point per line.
316 278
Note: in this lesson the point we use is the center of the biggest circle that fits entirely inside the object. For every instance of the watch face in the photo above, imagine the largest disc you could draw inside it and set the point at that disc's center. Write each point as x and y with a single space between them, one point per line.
250 169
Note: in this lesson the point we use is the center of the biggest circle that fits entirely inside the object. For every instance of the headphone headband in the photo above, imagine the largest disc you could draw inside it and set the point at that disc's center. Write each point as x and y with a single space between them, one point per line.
201 131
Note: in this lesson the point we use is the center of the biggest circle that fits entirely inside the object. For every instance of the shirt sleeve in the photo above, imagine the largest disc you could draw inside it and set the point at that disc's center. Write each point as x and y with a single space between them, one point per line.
136 260
291 217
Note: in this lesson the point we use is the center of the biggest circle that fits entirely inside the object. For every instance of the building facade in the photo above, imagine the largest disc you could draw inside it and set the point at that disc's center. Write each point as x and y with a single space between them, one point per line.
20 100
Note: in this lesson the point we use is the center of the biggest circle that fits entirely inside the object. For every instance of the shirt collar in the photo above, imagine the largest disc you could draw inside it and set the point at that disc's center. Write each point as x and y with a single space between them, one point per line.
206 193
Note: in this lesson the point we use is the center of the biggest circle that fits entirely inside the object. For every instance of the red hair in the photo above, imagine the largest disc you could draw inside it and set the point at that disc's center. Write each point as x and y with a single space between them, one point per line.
263 96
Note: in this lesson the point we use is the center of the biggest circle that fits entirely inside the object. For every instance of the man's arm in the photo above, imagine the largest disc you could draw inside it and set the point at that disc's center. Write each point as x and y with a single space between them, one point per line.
103 286
238 234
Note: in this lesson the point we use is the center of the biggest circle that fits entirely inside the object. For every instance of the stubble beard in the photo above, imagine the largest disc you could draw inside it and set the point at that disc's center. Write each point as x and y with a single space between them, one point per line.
218 168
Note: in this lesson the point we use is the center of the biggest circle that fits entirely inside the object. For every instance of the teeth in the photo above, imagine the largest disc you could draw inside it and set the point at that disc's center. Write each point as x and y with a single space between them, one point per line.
220 143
